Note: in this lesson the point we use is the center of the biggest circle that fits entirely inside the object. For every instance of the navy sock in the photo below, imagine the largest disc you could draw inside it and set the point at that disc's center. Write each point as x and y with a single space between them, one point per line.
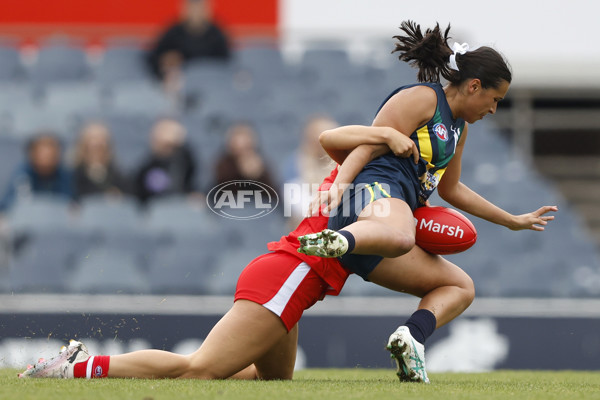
421 325
350 238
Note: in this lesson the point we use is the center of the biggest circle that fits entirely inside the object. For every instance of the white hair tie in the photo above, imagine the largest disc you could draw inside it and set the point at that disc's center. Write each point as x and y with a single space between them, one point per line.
457 48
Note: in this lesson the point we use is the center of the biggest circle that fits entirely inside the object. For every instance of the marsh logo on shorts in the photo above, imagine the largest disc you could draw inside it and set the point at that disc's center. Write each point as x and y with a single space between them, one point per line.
441 132
242 199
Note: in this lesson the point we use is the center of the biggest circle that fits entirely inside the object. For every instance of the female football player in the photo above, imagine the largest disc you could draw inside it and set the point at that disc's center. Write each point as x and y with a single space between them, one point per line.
372 229
257 338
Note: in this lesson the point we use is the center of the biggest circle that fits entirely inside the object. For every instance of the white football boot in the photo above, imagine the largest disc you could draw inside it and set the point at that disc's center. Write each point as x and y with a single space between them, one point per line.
327 243
60 366
409 355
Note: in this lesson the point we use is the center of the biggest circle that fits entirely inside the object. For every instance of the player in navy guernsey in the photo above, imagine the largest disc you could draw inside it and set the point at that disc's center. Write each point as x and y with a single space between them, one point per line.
423 127
371 226
436 143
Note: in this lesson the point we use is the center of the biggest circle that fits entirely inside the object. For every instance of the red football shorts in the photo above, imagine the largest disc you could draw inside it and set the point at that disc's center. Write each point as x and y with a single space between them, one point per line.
281 283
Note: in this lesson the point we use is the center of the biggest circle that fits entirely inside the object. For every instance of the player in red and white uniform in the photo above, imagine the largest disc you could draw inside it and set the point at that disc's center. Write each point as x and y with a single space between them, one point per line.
257 338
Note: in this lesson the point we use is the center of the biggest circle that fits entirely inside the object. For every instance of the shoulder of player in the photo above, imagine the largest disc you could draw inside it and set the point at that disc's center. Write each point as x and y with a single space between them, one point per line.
419 101
421 93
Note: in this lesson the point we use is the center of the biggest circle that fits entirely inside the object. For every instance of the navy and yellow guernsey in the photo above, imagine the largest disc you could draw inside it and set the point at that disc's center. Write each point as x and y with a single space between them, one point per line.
399 177
436 141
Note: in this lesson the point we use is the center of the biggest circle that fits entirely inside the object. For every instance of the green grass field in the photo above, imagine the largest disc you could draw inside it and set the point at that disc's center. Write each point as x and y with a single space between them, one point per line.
326 384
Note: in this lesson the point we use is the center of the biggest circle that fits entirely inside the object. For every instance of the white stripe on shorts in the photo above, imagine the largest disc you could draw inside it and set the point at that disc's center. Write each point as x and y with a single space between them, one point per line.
278 303
88 370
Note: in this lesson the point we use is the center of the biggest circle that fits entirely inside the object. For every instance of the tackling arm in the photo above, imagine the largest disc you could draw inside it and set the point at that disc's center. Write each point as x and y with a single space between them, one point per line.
347 171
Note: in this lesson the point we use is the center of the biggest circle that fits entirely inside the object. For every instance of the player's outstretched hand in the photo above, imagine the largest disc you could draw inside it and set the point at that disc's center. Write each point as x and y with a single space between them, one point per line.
534 220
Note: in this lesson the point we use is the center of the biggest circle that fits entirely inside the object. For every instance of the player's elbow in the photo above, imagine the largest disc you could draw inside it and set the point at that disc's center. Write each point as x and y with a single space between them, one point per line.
326 139
448 194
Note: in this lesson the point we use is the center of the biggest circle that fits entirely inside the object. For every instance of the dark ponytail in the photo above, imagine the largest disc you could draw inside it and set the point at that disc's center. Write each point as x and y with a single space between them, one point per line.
430 53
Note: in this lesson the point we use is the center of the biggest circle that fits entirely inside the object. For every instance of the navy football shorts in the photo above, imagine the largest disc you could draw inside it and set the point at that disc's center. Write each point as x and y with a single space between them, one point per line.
379 179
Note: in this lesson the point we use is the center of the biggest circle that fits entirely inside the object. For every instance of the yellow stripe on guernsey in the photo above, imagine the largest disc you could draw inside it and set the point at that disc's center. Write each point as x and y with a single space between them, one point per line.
425 145
386 194
372 193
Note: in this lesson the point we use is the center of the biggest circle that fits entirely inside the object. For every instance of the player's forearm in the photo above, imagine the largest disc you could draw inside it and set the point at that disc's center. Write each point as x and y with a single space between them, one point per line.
339 142
465 199
356 161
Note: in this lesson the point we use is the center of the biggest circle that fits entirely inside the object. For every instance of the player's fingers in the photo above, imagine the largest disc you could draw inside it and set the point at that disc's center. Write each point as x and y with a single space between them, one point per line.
415 153
545 209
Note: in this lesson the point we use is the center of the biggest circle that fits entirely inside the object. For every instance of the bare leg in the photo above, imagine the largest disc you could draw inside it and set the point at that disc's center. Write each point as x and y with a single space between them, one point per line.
279 361
445 289
245 334
385 227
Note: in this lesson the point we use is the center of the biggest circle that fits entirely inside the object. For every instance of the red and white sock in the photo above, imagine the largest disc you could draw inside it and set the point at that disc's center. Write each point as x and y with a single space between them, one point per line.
94 367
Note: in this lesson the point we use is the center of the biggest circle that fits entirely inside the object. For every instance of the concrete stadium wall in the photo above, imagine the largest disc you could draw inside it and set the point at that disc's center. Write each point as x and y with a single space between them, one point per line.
343 332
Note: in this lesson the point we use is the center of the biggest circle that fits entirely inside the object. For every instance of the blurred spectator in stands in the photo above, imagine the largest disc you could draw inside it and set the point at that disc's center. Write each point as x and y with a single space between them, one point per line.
170 167
306 168
42 172
241 159
95 171
195 36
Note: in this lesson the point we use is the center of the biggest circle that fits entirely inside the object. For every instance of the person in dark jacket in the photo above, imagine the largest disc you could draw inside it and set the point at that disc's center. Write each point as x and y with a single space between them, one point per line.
41 173
170 168
95 171
195 36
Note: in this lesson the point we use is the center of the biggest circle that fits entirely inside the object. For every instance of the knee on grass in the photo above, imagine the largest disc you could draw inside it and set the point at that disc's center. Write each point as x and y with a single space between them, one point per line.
202 371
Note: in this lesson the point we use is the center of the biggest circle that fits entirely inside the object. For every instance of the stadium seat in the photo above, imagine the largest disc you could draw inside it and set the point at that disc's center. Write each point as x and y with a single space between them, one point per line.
73 97
260 57
206 74
39 213
178 215
229 265
140 243
12 153
102 270
183 267
60 62
263 66
322 67
122 63
44 261
106 214
11 68
256 233
146 98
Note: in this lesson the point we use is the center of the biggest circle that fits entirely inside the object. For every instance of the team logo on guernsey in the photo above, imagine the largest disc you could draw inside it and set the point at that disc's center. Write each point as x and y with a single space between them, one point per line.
441 132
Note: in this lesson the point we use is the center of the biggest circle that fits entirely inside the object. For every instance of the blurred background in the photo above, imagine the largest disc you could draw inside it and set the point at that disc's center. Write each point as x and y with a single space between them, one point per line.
116 120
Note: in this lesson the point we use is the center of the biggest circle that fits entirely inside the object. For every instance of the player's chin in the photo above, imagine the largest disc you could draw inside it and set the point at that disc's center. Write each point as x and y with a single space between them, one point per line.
472 120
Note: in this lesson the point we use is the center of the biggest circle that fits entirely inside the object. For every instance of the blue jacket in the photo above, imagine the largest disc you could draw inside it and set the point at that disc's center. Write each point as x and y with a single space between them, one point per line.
25 182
